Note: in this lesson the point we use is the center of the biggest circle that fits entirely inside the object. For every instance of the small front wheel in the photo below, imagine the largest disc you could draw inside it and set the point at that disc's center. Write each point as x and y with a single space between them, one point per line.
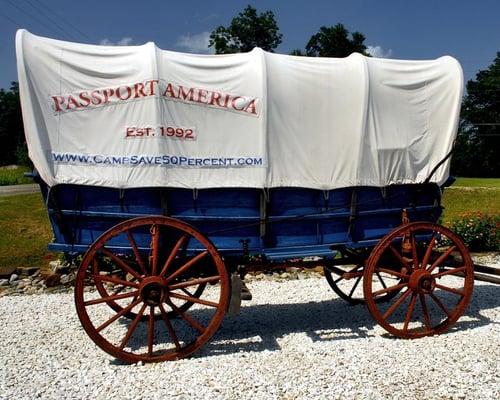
436 278
345 281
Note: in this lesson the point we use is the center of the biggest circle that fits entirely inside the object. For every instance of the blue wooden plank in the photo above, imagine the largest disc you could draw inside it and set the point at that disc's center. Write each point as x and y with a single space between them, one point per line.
288 253
297 220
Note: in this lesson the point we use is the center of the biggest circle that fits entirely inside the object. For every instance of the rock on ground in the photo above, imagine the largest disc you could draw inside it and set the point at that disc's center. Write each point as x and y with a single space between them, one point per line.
294 340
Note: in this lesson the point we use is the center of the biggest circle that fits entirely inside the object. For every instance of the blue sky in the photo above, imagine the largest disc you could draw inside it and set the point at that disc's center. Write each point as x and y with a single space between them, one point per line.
467 30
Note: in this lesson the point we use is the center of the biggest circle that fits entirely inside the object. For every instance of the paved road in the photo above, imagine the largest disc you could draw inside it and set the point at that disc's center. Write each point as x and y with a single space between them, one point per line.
19 189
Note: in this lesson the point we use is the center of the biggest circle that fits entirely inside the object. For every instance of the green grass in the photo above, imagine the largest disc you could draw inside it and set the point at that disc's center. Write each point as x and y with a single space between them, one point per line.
478 182
471 195
25 231
461 201
14 176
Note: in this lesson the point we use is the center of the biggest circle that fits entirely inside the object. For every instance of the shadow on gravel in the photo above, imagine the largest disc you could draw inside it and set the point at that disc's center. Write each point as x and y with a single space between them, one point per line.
258 327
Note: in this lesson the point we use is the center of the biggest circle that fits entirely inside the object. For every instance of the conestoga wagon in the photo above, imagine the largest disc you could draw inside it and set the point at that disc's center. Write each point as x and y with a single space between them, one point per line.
175 174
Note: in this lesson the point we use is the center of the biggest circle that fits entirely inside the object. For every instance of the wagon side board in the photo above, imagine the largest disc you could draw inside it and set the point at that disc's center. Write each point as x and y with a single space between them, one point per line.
280 223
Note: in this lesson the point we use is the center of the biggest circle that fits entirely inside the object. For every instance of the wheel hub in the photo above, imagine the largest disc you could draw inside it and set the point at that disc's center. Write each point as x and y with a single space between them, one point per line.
153 291
422 281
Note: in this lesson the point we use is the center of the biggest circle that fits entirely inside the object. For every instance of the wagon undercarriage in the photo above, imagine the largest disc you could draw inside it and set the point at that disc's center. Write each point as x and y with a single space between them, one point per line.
164 302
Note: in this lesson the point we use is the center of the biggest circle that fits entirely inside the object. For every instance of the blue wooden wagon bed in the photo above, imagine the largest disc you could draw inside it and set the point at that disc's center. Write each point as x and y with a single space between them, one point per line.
278 224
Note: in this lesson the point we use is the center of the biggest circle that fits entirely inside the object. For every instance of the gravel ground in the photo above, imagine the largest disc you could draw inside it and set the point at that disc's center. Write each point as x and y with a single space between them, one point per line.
295 340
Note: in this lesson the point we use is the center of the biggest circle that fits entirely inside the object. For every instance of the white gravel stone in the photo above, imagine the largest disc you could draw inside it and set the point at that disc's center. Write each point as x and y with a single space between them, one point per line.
294 340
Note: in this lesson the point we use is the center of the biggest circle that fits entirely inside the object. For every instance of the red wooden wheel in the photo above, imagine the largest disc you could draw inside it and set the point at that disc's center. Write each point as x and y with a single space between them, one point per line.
345 281
105 292
154 304
436 280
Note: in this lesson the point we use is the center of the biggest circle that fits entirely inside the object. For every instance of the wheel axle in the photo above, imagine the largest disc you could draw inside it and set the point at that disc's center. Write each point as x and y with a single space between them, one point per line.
153 291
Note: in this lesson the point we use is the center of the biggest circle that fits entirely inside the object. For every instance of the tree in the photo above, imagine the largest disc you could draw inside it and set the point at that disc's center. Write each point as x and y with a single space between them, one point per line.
13 149
334 41
476 149
246 31
297 52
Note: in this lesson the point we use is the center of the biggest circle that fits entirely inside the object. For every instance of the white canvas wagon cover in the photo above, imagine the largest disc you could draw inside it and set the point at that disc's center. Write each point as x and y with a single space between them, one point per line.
137 116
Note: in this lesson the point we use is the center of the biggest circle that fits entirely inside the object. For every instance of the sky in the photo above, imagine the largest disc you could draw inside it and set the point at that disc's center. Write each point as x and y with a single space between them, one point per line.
423 29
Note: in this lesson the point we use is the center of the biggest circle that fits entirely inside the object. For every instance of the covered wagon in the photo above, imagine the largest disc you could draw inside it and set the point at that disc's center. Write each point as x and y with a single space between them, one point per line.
173 175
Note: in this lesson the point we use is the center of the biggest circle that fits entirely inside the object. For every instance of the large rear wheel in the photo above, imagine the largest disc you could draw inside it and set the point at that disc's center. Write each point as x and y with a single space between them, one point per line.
161 300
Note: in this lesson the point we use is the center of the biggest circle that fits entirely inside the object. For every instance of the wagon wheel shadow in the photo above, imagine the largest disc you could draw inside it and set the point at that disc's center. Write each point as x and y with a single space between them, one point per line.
258 327
484 297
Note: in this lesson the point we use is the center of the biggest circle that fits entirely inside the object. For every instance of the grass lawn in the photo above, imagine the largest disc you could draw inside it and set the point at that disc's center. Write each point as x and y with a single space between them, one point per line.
14 175
471 195
493 183
25 231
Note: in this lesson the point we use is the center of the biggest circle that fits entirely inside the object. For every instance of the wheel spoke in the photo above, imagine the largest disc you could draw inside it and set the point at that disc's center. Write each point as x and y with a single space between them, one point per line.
354 273
155 238
414 251
398 256
452 271
122 264
186 266
110 298
118 315
396 304
449 289
428 252
151 330
193 282
389 289
194 299
391 272
173 253
354 286
170 328
441 258
340 272
381 280
132 327
409 313
95 266
425 311
112 279
137 254
357 267
118 290
440 304
191 321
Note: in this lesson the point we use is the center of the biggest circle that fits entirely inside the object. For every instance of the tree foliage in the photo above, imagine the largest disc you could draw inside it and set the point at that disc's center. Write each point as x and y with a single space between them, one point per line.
13 149
334 41
246 31
478 142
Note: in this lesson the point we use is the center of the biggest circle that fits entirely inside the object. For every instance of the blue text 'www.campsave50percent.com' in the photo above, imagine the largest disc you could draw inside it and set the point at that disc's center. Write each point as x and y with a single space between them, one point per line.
161 160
